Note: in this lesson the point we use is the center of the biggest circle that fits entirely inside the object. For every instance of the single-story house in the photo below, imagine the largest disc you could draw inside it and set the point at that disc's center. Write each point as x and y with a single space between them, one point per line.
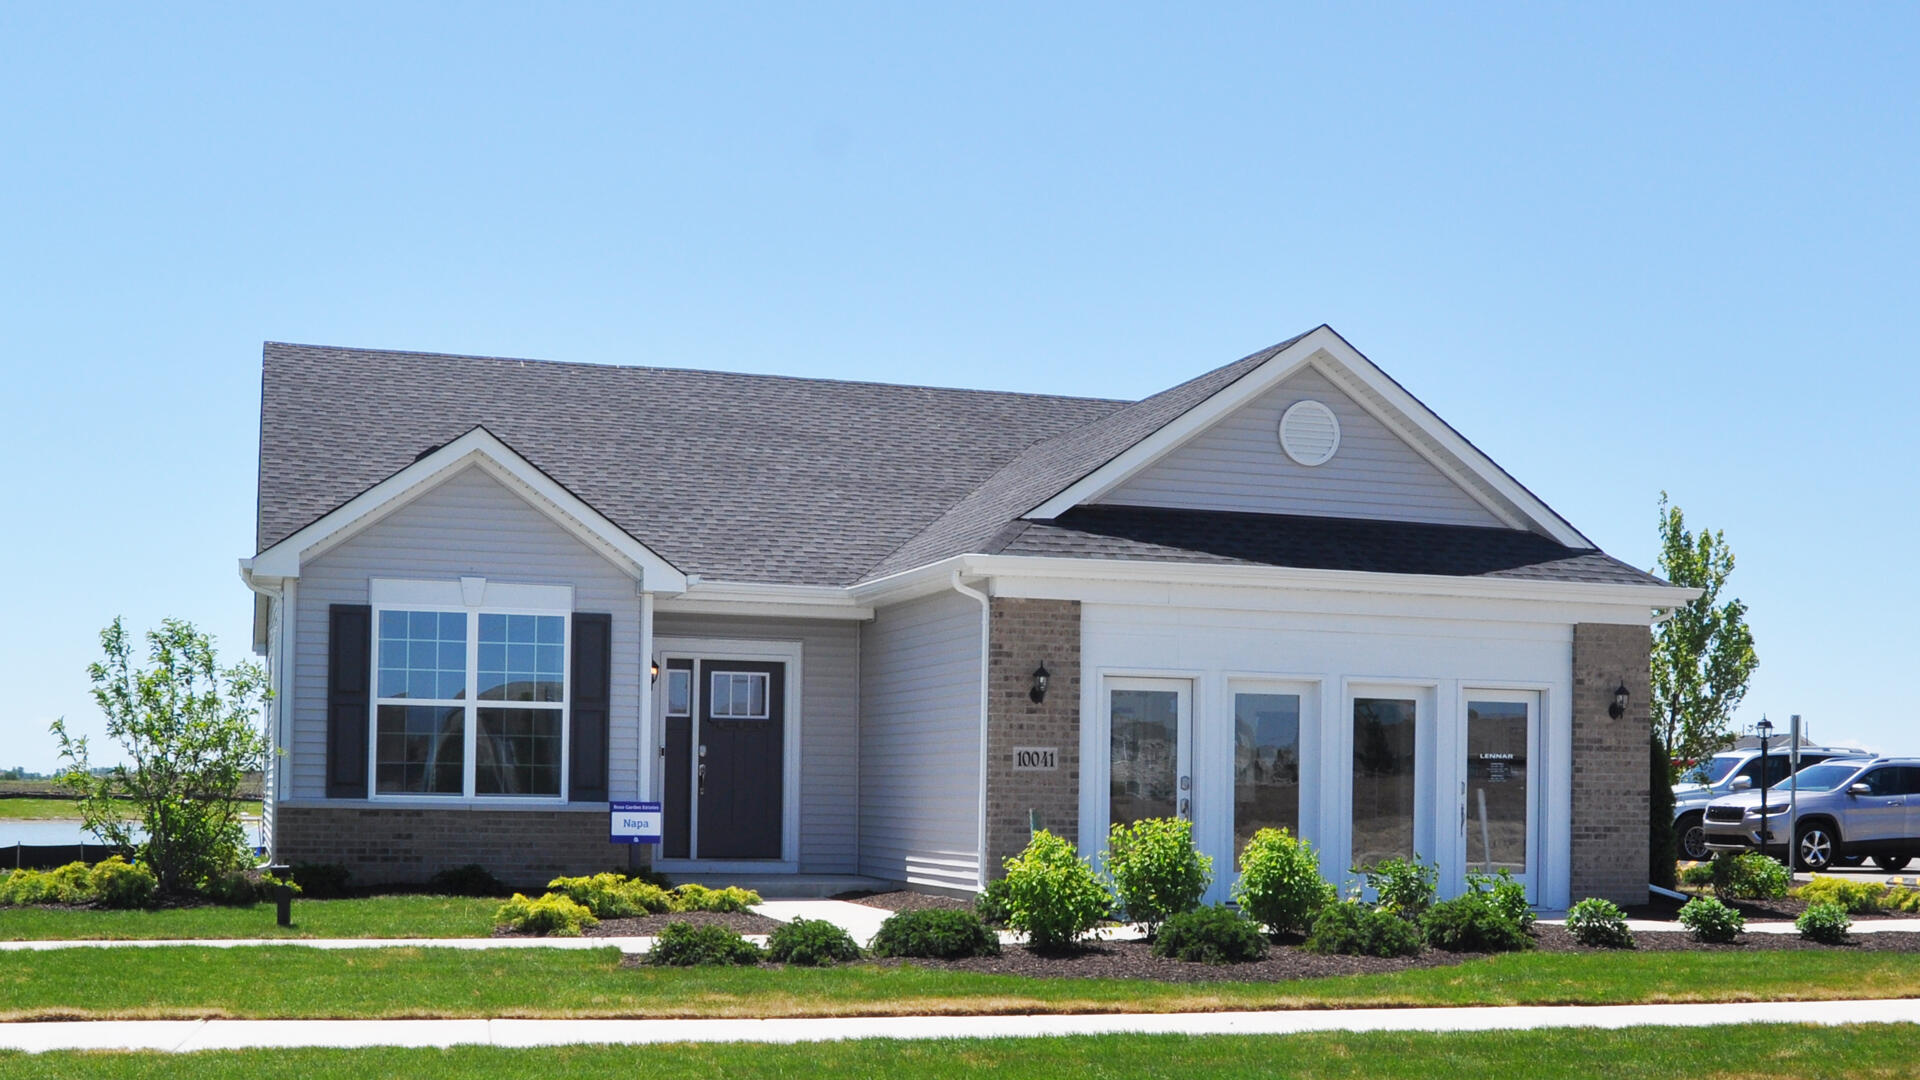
843 628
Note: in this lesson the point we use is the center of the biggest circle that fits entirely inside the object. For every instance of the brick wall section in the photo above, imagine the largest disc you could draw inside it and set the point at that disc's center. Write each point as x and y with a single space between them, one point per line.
523 848
1610 797
1022 635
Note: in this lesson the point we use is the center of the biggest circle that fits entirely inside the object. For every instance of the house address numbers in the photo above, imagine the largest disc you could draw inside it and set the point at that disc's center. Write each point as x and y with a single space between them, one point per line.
1036 758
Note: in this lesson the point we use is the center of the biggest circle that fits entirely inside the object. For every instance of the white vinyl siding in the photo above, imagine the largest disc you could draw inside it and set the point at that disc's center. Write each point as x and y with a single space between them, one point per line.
1238 465
920 742
829 723
469 525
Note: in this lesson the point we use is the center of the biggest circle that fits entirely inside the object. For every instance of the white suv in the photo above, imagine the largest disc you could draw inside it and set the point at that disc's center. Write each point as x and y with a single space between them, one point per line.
1720 775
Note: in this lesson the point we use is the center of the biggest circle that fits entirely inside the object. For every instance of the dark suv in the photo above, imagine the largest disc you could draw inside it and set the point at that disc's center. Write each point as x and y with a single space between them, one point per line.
1847 807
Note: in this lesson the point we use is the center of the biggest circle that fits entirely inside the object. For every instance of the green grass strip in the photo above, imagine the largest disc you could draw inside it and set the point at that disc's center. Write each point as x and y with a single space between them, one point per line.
1777 1052
281 982
371 917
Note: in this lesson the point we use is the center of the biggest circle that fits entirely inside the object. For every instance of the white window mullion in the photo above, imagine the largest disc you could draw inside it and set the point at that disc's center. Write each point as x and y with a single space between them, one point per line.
472 707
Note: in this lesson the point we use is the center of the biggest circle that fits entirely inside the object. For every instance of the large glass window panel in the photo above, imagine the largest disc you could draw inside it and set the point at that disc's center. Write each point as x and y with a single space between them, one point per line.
1497 786
1383 756
422 655
1266 764
1146 755
420 750
679 691
517 752
522 657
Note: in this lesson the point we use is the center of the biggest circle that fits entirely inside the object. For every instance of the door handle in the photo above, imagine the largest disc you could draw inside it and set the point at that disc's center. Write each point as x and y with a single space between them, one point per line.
1185 807
703 777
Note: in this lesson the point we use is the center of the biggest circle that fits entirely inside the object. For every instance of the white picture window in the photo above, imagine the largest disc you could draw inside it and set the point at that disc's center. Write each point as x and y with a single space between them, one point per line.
738 695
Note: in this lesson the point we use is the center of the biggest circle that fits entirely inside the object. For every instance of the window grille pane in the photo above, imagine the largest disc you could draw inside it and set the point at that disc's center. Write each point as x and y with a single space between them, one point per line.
419 750
515 666
422 655
518 752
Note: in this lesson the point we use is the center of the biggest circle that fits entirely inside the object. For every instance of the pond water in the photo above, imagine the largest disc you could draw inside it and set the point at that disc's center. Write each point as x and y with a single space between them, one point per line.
50 833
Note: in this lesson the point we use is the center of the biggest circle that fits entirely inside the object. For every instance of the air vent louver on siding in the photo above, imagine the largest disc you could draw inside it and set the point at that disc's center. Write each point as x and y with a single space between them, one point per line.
1309 432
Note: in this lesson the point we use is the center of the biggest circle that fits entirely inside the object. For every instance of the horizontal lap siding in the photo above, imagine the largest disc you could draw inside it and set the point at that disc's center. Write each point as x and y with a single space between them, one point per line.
1238 465
469 525
920 742
829 723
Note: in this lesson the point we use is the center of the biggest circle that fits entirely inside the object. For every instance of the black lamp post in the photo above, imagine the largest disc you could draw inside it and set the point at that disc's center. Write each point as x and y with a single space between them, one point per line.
1765 728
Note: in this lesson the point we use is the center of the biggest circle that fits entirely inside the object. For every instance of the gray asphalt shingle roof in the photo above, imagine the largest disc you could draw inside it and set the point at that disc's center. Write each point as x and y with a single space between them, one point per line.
803 481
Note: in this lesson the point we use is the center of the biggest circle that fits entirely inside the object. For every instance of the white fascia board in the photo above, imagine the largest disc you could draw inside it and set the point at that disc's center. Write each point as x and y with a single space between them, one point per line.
765 601
907 584
477 447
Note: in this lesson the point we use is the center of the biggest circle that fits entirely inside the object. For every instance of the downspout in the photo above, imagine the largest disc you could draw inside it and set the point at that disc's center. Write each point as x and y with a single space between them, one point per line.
986 612
275 595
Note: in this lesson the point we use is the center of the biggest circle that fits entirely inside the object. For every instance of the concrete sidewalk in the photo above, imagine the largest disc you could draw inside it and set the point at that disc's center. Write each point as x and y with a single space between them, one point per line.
189 1035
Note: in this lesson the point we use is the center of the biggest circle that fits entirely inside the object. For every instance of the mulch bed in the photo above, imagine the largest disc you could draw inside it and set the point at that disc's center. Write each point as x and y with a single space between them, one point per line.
649 925
1666 909
903 900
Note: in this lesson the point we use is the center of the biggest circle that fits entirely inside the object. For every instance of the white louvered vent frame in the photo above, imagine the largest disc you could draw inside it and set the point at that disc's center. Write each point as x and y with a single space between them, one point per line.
1309 432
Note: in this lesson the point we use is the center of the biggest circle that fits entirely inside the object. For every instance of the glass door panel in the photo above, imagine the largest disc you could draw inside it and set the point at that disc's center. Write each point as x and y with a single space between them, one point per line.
1266 765
1383 779
1497 786
1148 776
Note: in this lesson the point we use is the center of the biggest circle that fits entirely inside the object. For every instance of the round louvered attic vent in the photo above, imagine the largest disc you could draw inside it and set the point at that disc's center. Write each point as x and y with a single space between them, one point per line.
1309 432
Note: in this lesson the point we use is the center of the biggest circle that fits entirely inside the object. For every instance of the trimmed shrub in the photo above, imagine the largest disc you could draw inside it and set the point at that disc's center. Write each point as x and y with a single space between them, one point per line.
469 880
1509 897
70 884
1824 922
1854 896
1749 876
1663 847
1156 870
551 914
1698 876
232 888
1351 928
811 943
1053 894
1405 887
1280 885
991 904
686 945
321 881
611 896
935 934
731 899
1474 921
1599 924
1711 920
1211 935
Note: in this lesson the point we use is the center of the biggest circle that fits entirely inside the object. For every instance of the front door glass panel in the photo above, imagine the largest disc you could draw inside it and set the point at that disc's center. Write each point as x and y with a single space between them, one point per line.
1144 782
1497 786
1266 765
1383 779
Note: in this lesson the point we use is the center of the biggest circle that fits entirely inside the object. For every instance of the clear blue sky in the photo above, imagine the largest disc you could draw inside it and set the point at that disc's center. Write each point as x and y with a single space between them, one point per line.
1624 250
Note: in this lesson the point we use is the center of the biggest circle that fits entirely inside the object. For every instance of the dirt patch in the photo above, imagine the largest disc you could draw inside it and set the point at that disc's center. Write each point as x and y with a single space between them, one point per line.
904 900
649 925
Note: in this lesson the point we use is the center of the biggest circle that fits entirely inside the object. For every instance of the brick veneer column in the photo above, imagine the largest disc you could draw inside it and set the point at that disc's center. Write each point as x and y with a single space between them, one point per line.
1023 634
1610 797
523 848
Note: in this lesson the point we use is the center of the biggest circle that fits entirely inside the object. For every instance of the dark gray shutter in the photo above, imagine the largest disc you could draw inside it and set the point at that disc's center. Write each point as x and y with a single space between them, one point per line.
591 695
349 688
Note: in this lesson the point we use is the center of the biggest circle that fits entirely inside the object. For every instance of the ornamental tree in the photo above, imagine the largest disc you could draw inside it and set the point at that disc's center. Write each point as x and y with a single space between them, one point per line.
1703 654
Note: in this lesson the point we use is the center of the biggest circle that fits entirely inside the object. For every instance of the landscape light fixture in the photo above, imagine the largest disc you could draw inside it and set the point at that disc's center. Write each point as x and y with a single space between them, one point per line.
656 671
1765 728
1619 707
1039 691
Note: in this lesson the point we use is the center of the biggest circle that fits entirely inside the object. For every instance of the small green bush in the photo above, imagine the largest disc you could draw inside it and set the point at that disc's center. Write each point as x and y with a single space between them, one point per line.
321 881
936 934
1711 920
1599 924
1405 887
1280 885
1474 921
1211 935
551 914
991 904
811 943
117 883
1824 922
1508 896
1053 894
232 888
686 945
471 879
1855 896
1699 875
612 896
1351 928
1156 870
731 899
70 884
1749 876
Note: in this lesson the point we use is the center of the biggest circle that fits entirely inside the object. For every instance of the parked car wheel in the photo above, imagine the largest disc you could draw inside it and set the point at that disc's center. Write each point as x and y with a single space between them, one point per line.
1690 836
1892 864
1813 846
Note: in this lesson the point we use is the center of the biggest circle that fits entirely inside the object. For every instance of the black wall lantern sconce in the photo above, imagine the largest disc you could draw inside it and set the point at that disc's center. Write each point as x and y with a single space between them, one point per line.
656 671
1039 691
1619 707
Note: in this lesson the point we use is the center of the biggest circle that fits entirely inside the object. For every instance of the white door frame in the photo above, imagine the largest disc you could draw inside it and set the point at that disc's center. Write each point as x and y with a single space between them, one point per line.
1096 746
1536 700
724 649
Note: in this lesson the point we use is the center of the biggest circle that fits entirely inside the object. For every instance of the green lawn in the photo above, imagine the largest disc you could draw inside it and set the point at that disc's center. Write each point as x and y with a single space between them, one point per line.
1776 1052
283 982
375 917
53 809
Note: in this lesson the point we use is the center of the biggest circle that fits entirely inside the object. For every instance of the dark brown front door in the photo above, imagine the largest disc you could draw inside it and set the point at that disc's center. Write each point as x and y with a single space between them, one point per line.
738 757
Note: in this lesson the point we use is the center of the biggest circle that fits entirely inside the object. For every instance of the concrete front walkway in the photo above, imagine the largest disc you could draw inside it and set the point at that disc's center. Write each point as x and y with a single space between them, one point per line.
188 1035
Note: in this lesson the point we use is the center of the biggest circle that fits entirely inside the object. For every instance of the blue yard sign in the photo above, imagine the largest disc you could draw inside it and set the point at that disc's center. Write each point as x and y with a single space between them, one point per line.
635 823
